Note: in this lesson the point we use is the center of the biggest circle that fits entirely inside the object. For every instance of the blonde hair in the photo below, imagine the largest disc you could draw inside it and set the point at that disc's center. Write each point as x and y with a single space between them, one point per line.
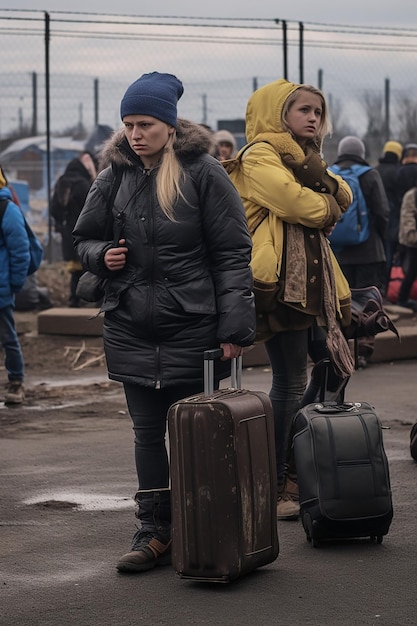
169 178
325 127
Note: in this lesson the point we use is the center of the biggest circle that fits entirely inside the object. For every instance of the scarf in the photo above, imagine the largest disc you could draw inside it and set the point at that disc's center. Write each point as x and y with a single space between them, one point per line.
295 290
336 343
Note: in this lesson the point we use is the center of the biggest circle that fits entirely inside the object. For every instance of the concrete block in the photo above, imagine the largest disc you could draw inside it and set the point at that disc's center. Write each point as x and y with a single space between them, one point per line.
389 348
86 322
69 321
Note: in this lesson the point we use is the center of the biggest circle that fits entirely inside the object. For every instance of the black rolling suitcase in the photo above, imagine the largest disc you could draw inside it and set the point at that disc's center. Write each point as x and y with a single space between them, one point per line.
223 481
343 474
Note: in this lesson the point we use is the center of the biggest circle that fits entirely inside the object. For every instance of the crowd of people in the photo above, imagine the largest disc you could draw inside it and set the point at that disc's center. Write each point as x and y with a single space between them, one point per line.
218 248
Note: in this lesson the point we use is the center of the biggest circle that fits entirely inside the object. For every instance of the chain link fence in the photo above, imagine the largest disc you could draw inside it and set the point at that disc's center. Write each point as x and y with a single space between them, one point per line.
63 76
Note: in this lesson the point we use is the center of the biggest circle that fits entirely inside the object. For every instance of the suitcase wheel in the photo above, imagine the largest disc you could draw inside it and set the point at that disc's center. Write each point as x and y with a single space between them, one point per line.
308 527
377 538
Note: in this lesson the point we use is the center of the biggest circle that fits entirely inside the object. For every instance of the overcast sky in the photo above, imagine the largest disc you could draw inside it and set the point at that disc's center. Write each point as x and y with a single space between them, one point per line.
393 13
207 72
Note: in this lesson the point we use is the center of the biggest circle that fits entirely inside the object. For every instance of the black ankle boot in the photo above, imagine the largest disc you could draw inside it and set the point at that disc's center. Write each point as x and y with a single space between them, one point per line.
147 552
151 544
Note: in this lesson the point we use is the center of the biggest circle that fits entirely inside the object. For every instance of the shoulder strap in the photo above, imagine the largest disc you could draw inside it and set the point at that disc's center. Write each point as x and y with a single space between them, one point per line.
3 205
230 164
356 168
360 169
334 168
115 188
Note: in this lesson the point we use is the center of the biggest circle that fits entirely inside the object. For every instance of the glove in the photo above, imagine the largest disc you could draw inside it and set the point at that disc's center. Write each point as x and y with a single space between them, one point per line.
312 172
334 211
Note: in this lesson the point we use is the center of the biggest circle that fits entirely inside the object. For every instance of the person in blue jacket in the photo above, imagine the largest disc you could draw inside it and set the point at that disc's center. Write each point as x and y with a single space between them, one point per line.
14 265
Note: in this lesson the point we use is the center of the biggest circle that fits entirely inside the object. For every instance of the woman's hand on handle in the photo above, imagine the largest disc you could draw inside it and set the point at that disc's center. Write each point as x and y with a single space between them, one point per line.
230 351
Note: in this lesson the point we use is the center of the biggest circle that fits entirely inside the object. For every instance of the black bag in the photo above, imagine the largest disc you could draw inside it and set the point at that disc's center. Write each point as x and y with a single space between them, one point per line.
342 471
91 287
368 315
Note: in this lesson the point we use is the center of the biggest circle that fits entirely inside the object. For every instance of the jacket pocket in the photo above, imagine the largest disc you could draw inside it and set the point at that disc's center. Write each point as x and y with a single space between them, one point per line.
195 296
112 294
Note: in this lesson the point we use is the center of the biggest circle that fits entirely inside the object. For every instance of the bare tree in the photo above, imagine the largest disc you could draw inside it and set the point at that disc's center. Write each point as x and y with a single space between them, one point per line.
340 128
407 120
372 103
336 112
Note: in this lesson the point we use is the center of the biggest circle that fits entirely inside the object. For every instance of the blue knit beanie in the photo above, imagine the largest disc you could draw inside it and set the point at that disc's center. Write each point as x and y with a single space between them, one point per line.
153 94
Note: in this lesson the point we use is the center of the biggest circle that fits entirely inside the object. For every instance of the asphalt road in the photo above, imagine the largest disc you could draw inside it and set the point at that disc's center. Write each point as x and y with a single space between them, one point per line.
66 484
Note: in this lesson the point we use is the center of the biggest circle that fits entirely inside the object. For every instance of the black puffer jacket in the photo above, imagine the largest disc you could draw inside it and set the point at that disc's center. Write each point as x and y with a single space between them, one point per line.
69 195
187 285
388 168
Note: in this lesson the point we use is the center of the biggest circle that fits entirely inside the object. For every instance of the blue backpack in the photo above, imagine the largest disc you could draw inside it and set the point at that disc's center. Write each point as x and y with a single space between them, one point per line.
353 227
35 246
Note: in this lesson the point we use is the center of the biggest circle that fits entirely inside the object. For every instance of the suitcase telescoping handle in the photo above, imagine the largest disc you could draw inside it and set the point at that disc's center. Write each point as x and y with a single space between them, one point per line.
236 370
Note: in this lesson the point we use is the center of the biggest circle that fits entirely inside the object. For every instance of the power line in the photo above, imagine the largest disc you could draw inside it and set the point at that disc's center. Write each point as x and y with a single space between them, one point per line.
218 39
217 22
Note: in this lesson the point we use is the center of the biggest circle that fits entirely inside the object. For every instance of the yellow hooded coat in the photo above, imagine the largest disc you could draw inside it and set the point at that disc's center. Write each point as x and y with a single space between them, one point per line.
267 173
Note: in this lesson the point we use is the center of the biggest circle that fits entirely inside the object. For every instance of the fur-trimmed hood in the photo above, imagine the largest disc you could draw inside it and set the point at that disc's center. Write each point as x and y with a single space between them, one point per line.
192 140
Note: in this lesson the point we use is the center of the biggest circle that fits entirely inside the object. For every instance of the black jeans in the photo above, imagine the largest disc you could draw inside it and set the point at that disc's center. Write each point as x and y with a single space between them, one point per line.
287 353
148 409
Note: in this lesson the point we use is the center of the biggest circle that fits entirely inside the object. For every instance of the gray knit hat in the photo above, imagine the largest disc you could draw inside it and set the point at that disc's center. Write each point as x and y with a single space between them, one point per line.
153 94
351 146
225 136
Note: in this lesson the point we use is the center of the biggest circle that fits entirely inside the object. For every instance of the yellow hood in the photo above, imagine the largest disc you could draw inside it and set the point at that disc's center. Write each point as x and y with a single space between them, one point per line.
263 111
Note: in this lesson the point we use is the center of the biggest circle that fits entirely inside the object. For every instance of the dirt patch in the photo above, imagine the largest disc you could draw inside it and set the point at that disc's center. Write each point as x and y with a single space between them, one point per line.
56 278
65 376
55 354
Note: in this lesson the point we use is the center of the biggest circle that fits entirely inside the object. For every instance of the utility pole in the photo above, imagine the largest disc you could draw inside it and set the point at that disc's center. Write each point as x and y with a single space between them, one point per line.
34 104
284 45
204 108
80 117
301 50
96 102
387 111
285 48
48 131
320 79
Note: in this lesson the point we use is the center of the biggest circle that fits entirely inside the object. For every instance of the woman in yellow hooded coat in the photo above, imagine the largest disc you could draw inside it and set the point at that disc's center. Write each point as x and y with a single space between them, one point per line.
292 203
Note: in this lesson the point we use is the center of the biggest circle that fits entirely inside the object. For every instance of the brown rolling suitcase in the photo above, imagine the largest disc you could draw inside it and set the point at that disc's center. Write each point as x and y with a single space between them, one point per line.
223 480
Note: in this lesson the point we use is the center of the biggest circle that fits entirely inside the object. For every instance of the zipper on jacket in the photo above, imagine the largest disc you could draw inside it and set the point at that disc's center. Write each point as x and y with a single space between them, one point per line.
158 369
152 281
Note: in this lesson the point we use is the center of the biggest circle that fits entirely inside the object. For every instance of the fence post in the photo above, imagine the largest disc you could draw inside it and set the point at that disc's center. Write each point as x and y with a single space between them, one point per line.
48 134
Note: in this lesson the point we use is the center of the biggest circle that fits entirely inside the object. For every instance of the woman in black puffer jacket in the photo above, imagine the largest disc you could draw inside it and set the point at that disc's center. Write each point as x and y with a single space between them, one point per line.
179 280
